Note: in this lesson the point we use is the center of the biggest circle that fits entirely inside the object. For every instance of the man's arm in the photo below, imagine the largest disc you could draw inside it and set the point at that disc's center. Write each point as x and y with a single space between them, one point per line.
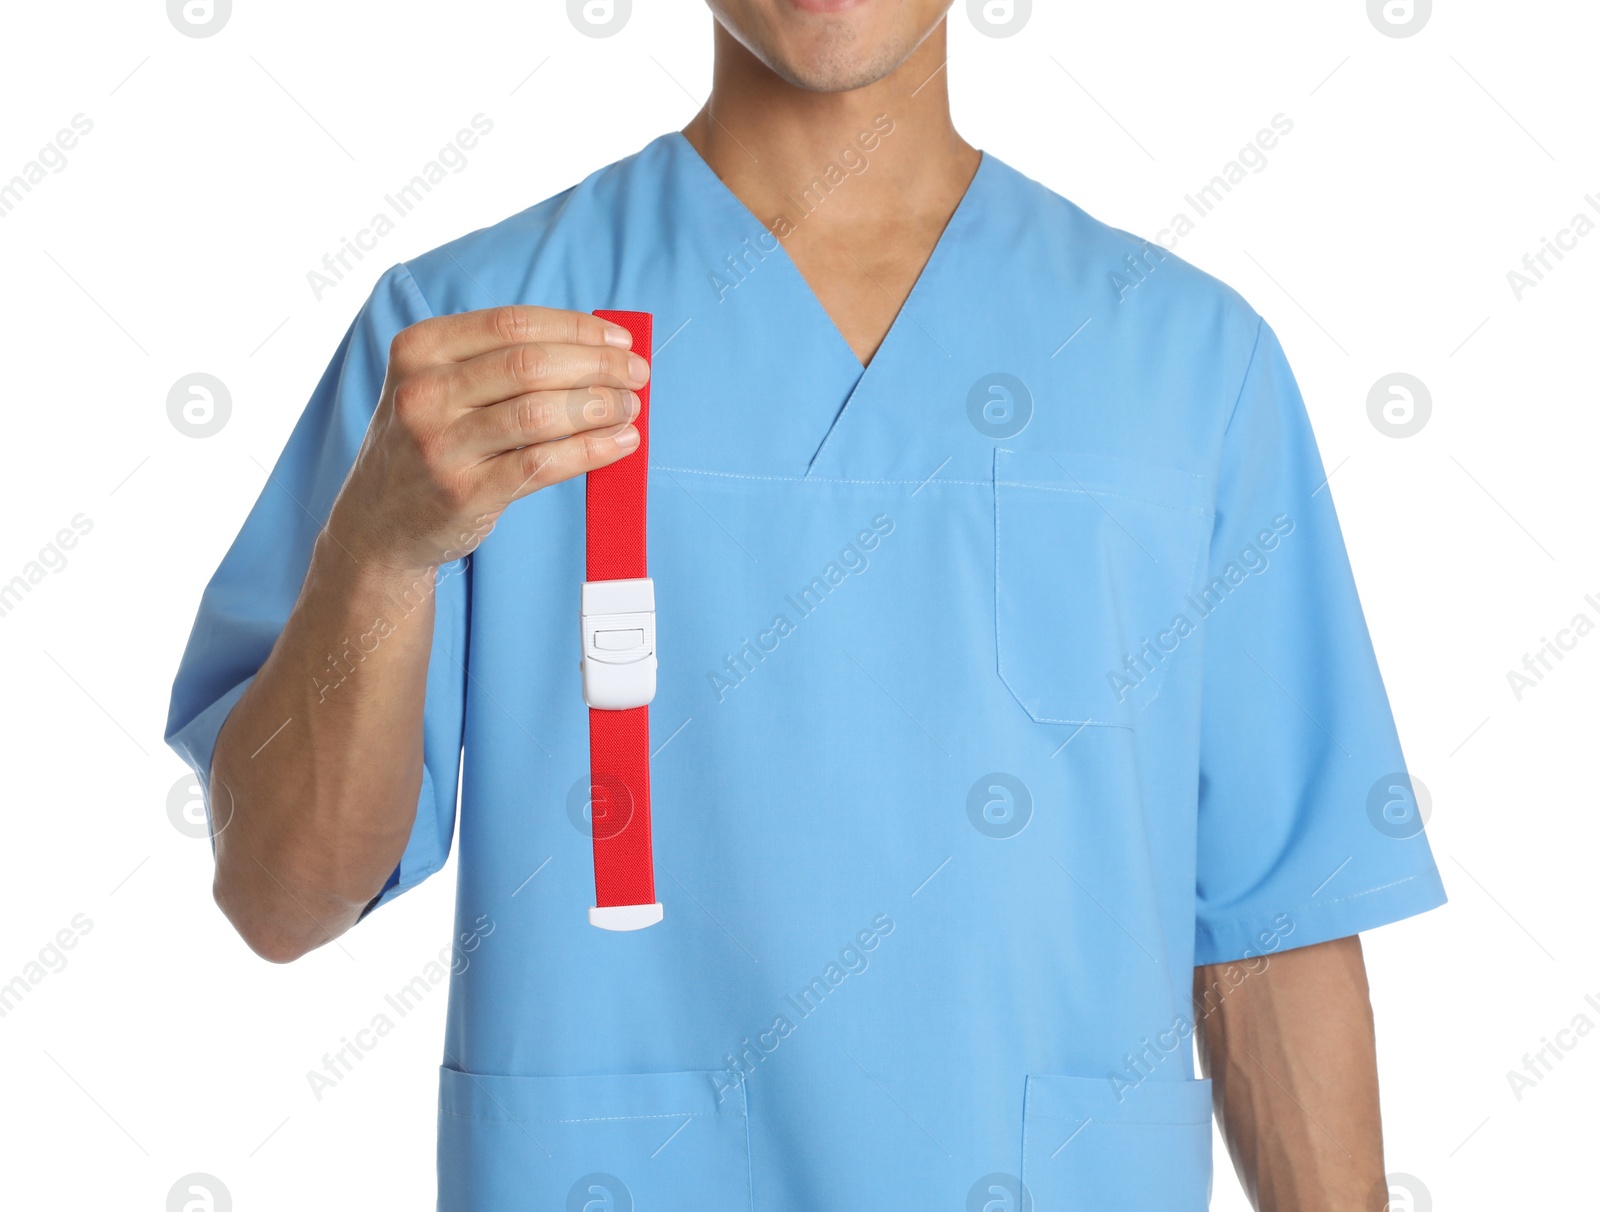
1291 1053
313 797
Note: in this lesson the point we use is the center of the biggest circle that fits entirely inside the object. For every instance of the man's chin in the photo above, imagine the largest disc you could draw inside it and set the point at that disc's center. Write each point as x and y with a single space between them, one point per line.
838 62
828 46
831 77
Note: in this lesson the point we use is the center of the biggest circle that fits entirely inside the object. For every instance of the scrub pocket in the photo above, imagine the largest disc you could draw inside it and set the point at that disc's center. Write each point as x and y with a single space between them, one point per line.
616 1142
1096 560
1084 1151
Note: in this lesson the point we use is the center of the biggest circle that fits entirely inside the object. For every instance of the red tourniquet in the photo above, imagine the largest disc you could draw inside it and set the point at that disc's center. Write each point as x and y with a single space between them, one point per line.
619 741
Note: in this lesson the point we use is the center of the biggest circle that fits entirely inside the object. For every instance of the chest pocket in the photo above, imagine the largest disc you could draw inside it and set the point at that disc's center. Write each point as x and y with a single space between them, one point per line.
1097 564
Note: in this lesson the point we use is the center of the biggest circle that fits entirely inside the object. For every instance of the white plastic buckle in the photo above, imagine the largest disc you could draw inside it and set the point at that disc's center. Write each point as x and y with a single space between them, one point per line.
619 643
624 917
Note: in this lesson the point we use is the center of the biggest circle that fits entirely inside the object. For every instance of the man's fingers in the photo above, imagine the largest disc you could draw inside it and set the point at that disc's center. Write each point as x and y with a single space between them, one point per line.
470 334
516 473
542 416
502 374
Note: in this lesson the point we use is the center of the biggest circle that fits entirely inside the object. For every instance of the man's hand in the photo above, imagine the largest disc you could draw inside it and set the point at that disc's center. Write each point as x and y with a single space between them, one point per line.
314 795
479 409
1290 1050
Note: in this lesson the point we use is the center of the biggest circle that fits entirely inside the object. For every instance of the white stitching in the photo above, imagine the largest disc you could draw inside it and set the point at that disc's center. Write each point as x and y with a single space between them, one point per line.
1035 1116
1235 923
591 1119
739 475
1096 492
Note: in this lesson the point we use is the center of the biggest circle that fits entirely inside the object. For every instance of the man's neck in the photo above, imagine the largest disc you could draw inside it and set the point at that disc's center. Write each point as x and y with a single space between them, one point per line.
857 185
769 140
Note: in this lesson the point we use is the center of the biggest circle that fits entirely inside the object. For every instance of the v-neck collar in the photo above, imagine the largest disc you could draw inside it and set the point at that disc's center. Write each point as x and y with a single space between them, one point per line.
940 252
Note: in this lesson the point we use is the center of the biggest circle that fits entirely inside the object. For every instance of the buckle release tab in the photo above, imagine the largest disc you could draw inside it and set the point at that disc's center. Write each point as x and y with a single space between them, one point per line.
618 619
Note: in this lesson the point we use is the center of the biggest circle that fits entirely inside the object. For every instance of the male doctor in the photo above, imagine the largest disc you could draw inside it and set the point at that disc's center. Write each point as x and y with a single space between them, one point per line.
1014 721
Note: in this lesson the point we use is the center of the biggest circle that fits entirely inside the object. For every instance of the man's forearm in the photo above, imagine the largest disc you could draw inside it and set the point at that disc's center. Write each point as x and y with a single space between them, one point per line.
317 771
1291 1053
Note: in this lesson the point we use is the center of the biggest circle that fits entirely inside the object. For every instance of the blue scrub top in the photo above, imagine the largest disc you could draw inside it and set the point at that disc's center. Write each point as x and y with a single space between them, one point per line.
1001 684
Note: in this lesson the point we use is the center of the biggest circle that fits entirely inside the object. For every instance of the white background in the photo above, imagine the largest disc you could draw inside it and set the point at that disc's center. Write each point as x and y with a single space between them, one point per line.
219 171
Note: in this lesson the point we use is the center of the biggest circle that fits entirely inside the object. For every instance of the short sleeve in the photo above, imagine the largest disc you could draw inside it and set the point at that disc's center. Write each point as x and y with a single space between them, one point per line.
248 599
1309 828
